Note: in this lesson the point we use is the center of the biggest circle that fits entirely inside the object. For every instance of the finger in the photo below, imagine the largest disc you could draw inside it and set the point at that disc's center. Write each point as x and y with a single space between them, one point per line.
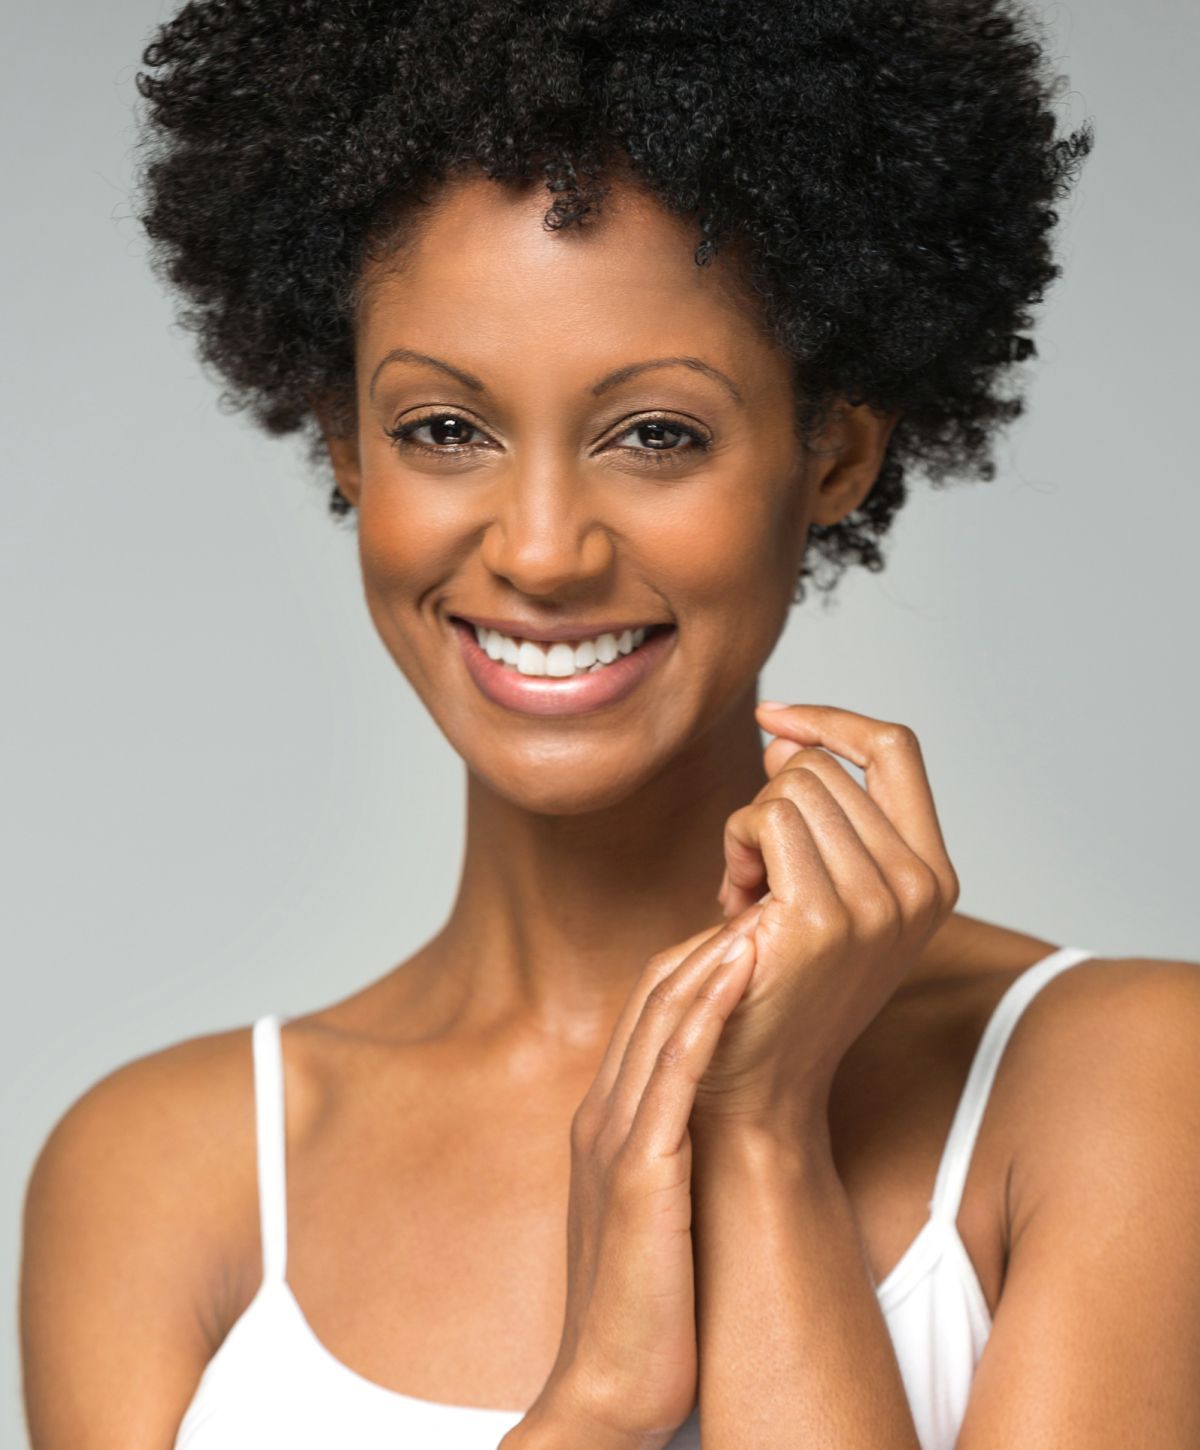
908 877
768 844
661 1117
665 1007
889 755
703 945
850 875
778 753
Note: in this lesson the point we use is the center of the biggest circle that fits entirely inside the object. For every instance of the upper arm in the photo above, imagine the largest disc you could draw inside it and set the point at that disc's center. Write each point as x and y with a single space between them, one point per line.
1096 1339
123 1231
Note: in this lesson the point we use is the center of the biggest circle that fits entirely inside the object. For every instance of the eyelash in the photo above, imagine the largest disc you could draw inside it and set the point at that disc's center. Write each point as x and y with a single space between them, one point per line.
662 457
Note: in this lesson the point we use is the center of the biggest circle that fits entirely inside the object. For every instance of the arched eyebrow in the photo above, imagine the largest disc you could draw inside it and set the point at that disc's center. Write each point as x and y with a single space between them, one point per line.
610 380
620 375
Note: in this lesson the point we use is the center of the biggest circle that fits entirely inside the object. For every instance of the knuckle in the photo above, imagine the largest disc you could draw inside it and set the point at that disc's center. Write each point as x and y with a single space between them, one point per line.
827 921
916 886
672 1054
661 996
808 757
736 820
805 780
584 1126
879 912
892 735
952 889
778 810
657 967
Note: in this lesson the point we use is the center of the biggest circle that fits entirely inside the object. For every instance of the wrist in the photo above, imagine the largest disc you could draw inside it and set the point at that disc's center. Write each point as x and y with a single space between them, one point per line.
775 1119
801 1148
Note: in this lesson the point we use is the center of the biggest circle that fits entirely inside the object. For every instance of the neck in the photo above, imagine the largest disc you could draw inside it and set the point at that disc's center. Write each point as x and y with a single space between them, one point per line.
557 915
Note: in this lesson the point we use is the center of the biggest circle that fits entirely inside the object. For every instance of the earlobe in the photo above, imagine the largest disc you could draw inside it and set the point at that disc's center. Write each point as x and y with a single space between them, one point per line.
848 461
341 443
343 455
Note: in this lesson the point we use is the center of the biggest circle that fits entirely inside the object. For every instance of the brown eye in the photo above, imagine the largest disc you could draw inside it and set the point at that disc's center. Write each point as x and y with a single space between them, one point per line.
663 436
658 439
446 430
658 435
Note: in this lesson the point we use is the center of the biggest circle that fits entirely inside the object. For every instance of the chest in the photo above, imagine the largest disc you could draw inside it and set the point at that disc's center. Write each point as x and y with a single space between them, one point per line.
427 1229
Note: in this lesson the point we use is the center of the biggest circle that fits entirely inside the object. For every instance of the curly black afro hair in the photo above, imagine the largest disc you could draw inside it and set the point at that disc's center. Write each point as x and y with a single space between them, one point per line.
887 170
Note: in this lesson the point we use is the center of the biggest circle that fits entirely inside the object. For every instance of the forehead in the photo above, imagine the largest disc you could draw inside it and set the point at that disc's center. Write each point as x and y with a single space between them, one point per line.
479 270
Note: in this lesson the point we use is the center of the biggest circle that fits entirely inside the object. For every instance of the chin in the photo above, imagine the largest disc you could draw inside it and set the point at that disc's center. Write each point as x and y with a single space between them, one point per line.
568 786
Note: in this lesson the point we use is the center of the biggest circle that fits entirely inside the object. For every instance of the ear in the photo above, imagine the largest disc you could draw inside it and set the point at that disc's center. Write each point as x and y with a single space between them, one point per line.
340 432
845 459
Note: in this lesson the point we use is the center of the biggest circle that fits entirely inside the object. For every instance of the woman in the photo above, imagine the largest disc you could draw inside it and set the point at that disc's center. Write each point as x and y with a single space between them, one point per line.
615 323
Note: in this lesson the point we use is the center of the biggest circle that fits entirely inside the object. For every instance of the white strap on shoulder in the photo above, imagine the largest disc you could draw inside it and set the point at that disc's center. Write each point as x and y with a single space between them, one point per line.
960 1143
271 1140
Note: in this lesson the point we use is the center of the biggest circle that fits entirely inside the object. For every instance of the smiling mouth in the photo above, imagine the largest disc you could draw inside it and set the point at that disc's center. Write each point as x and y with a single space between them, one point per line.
561 677
559 659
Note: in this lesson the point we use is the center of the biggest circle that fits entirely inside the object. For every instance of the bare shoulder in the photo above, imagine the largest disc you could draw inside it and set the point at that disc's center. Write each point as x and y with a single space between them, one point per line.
156 1120
135 1223
1107 1018
1096 1336
1106 1077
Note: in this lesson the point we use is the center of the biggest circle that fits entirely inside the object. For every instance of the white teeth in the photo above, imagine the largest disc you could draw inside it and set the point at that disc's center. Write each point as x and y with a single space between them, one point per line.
606 648
559 660
530 659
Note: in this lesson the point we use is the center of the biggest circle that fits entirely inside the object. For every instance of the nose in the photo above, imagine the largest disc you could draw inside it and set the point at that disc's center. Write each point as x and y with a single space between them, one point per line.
544 537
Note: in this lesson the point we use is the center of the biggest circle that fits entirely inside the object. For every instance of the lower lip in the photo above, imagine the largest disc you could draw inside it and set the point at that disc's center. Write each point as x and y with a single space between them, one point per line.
569 695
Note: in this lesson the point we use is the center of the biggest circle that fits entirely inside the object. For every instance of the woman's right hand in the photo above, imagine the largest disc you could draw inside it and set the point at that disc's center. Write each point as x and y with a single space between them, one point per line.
626 1372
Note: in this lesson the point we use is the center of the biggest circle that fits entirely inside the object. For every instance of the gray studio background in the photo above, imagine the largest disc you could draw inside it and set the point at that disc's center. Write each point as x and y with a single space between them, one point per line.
219 796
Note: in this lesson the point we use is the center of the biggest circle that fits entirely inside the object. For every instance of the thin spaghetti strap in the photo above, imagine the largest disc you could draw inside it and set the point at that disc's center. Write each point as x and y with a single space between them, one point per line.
271 1141
960 1143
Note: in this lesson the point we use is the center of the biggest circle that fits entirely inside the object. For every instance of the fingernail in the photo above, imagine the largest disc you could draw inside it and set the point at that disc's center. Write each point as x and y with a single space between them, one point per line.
735 948
771 705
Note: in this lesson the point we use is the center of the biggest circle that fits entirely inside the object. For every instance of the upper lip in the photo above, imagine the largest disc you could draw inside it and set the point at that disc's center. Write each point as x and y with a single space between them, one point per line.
582 630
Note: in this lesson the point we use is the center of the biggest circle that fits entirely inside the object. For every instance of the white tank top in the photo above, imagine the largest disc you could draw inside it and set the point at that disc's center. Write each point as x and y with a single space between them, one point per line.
273 1383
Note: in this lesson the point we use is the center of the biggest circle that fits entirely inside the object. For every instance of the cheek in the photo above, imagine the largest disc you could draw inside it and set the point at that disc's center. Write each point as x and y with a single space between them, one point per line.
736 553
400 562
406 537
728 577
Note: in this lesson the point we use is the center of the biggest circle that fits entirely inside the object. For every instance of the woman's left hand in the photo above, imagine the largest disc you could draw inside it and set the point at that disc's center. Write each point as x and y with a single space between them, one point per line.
857 882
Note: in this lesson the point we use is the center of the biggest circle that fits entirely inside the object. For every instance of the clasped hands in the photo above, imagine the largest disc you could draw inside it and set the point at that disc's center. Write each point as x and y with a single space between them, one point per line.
857 881
831 891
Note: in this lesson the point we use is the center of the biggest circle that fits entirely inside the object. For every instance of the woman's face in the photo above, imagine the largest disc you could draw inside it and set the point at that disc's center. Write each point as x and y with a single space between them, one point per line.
528 455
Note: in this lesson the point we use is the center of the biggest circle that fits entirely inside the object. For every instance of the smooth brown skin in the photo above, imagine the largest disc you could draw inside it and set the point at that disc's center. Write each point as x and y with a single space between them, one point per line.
429 1114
